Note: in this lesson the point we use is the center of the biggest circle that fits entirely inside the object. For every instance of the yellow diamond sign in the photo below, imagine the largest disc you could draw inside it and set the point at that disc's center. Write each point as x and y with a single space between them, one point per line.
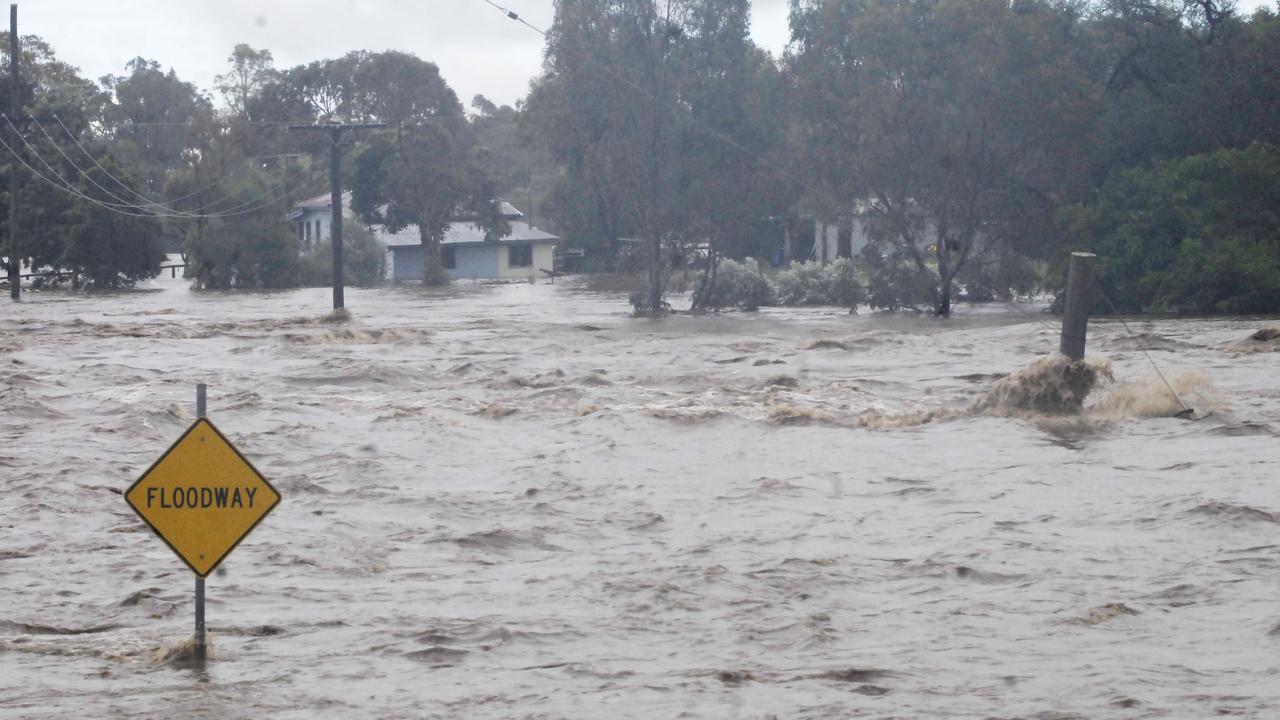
202 497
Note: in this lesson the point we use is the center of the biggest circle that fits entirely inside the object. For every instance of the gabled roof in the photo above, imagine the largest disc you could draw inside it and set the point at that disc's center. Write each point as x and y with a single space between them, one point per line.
466 233
321 202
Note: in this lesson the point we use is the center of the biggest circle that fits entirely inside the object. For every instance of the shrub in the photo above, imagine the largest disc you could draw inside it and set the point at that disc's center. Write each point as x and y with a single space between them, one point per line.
896 285
835 283
252 252
738 284
364 259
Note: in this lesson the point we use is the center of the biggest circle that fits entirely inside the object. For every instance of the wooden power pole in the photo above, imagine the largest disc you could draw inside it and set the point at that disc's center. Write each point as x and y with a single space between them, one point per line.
1075 315
15 111
336 132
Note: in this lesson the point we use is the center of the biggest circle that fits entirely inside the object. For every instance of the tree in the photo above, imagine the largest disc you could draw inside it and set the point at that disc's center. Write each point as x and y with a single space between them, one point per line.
364 259
664 117
251 70
107 248
955 126
421 176
421 171
602 106
1199 234
50 88
154 119
731 140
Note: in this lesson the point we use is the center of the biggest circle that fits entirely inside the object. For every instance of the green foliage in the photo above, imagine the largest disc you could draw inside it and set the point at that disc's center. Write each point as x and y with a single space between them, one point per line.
255 252
668 123
745 286
737 284
834 283
108 249
364 259
899 285
945 117
1201 234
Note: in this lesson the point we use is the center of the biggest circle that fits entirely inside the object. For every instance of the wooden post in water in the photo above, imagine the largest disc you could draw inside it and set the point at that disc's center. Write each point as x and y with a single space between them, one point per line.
200 651
1075 315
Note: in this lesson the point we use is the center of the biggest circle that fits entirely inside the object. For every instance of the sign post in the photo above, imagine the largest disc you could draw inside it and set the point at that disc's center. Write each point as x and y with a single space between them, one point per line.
200 650
202 497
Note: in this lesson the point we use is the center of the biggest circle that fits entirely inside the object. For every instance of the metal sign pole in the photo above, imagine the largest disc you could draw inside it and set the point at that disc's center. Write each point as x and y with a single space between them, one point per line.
200 652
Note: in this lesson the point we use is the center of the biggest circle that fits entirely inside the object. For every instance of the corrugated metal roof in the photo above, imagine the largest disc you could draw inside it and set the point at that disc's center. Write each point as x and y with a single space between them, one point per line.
321 202
461 233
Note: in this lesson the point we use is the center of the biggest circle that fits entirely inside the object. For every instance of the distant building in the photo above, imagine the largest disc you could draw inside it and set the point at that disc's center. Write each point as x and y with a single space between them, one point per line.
468 254
821 240
311 220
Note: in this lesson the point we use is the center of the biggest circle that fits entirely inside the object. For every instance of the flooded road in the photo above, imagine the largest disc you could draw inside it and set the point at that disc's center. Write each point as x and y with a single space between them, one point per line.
517 501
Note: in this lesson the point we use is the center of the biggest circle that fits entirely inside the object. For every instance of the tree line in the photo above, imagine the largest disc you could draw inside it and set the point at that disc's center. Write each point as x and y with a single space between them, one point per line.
975 143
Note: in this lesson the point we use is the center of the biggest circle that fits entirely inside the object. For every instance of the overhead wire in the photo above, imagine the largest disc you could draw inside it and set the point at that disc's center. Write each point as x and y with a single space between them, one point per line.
169 202
198 212
681 111
259 202
149 204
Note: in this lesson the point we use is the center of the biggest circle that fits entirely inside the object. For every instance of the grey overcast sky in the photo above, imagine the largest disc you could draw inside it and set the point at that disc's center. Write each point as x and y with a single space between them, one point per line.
479 51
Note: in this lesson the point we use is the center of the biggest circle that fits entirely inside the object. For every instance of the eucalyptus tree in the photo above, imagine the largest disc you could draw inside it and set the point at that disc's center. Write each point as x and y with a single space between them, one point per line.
953 126
249 72
663 115
421 170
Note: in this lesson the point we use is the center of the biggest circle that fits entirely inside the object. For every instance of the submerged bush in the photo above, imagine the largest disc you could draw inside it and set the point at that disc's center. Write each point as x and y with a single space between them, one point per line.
814 283
896 285
737 284
364 259
745 285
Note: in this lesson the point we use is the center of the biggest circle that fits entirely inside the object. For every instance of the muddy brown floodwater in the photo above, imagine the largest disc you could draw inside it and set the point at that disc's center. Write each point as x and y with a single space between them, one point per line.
518 502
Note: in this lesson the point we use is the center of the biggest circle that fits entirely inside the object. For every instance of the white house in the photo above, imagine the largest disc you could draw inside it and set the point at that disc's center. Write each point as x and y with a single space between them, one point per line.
467 253
846 238
312 219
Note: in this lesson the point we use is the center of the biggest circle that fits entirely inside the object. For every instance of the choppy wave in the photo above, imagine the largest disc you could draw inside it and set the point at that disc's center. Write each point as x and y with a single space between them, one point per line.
553 510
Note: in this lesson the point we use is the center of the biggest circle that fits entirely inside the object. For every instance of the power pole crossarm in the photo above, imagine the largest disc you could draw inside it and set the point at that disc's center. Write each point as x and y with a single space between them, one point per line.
336 131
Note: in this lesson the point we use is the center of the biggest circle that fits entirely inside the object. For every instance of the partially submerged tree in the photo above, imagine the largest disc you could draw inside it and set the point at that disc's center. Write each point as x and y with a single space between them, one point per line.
420 171
664 117
953 125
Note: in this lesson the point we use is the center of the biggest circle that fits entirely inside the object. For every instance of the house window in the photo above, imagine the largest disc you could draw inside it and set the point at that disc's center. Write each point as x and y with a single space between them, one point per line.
306 241
319 237
520 255
449 257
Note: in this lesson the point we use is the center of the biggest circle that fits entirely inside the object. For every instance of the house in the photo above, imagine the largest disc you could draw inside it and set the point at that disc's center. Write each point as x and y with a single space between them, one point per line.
312 219
823 240
468 254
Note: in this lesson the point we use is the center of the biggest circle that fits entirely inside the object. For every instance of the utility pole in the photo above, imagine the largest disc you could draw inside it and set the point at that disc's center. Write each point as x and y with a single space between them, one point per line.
336 131
15 111
1075 316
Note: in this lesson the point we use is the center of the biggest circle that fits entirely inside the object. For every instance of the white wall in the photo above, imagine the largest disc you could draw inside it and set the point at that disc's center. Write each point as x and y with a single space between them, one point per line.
543 259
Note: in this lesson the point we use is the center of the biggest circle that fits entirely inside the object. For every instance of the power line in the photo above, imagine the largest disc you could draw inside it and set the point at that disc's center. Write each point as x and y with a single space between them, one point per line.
85 174
196 213
94 160
253 205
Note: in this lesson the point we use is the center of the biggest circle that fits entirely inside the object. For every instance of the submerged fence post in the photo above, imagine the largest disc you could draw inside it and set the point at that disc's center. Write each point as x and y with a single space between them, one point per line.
1075 316
199 651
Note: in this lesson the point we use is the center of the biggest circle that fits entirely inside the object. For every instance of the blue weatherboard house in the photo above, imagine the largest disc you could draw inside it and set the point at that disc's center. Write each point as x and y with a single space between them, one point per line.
468 255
